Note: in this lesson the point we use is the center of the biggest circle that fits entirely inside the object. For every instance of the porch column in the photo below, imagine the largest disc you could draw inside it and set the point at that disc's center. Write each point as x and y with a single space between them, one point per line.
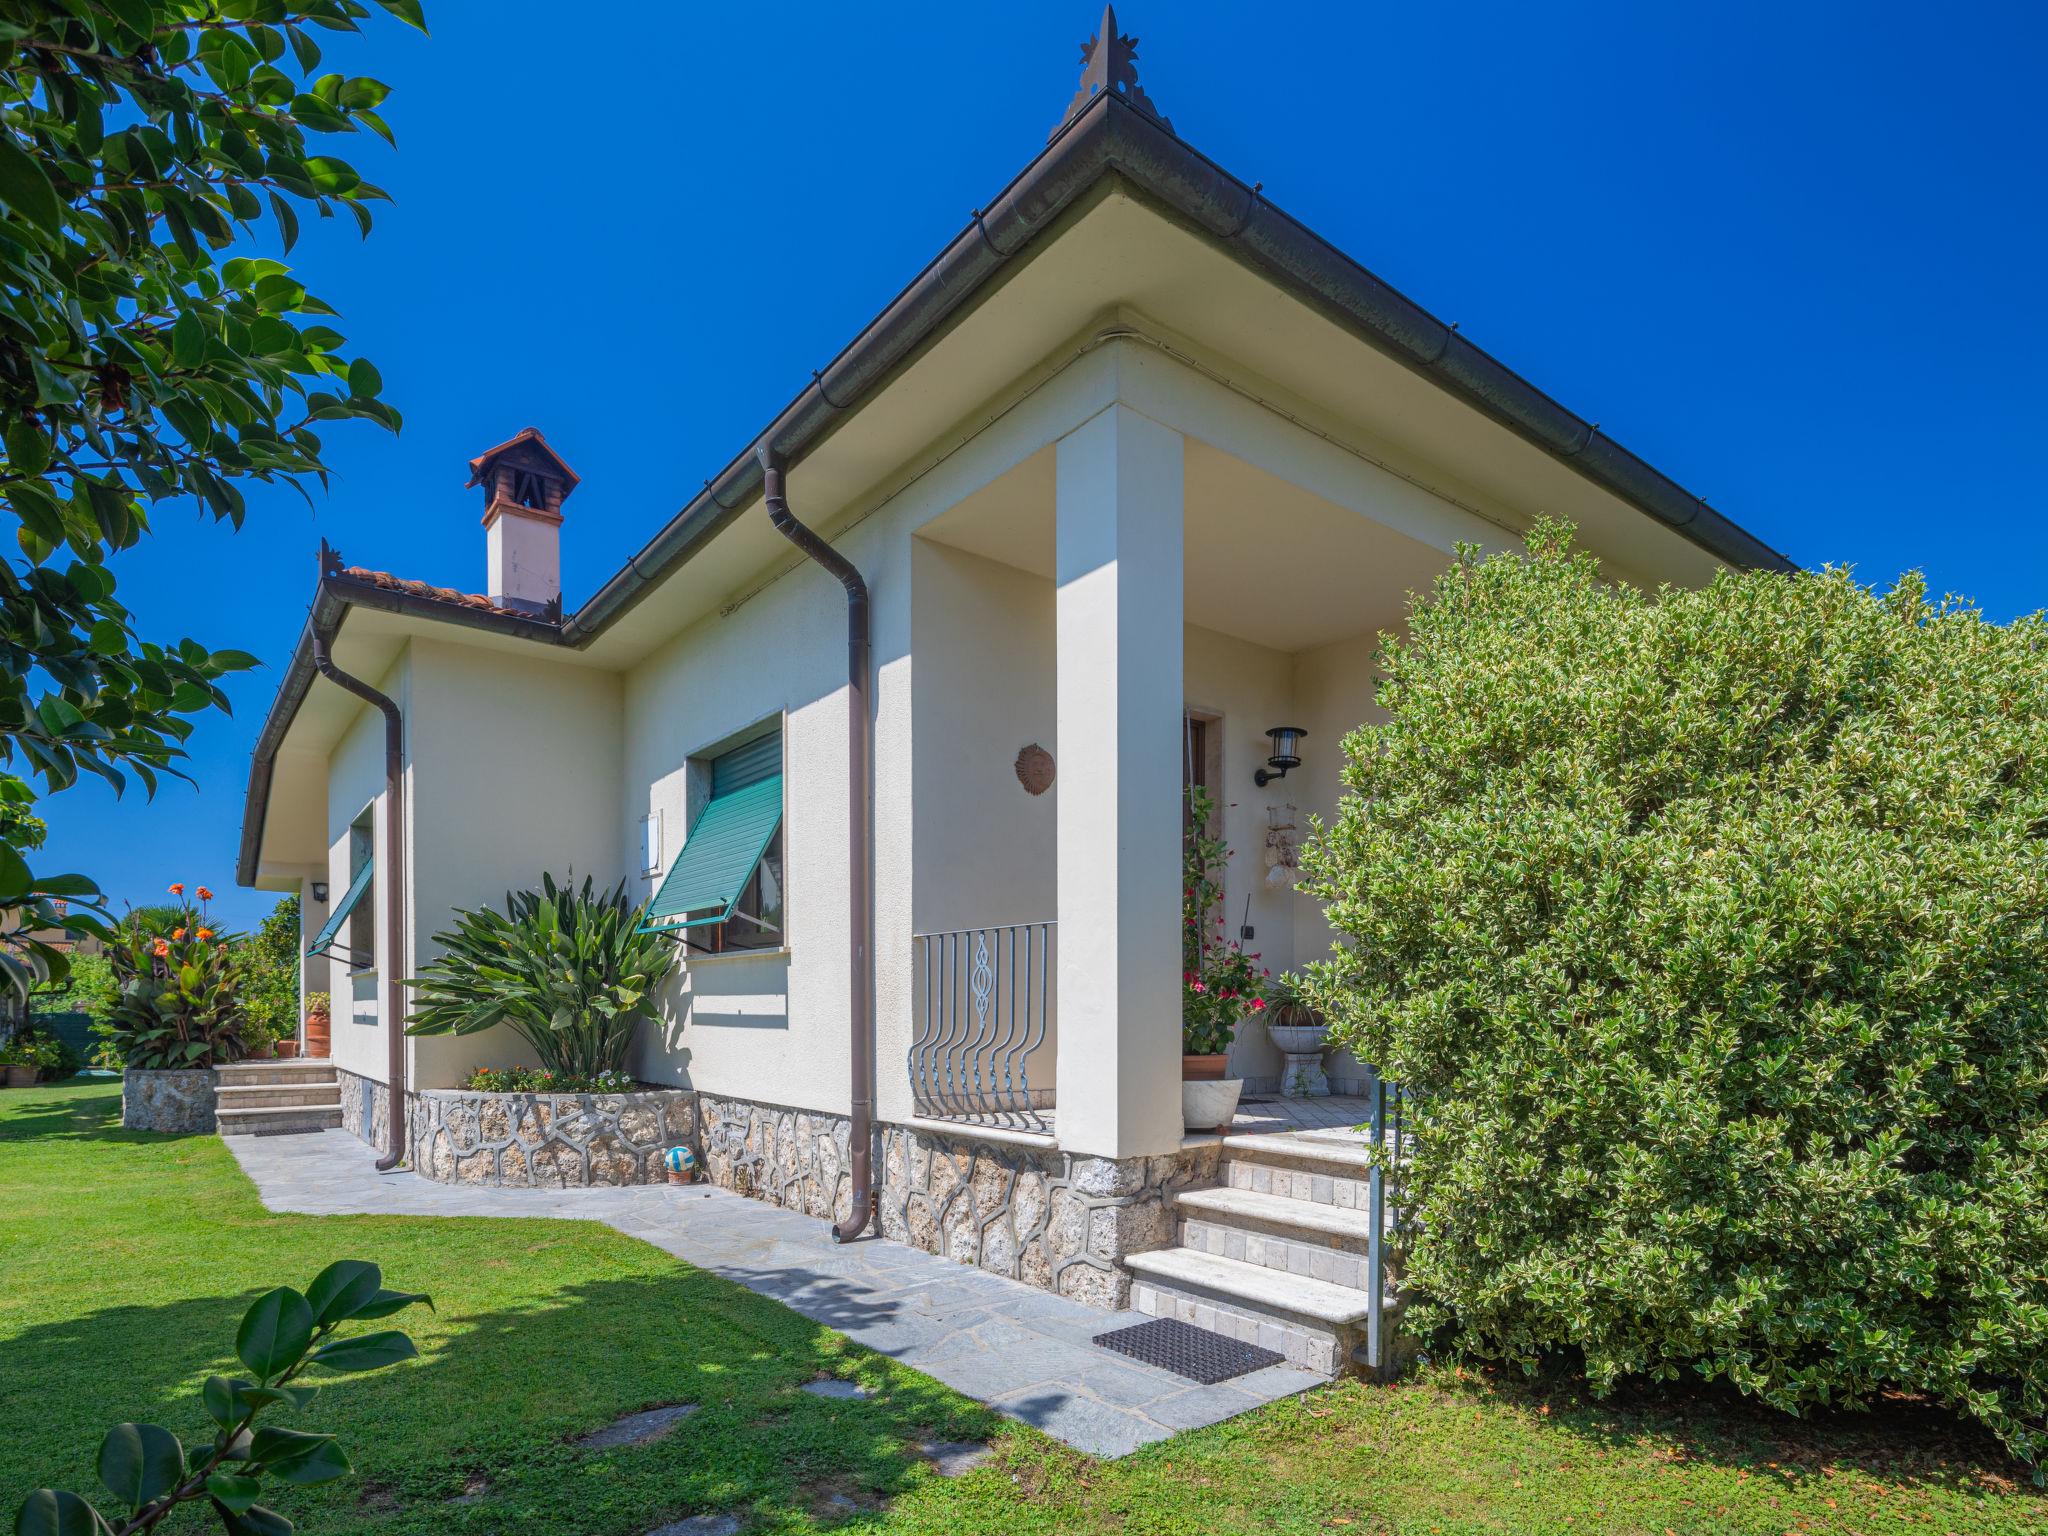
1117 562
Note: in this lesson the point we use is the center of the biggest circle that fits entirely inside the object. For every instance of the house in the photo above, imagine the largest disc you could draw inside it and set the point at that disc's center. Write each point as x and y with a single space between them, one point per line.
891 720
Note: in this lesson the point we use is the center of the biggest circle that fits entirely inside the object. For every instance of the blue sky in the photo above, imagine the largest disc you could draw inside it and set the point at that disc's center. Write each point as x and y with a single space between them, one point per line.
1789 254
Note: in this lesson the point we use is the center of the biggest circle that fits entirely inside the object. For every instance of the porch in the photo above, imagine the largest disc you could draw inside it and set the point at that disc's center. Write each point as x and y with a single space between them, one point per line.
1126 611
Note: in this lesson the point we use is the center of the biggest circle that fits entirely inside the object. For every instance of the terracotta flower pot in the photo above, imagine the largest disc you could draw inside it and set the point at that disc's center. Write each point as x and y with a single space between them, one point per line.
20 1076
286 1049
1203 1069
319 1035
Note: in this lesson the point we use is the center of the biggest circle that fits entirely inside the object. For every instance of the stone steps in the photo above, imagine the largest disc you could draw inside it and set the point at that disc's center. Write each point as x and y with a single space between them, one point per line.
1313 1323
231 1095
294 1070
252 1122
255 1097
1278 1255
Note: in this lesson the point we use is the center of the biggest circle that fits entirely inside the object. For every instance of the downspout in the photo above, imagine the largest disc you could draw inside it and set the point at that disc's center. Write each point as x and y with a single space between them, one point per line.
393 882
860 782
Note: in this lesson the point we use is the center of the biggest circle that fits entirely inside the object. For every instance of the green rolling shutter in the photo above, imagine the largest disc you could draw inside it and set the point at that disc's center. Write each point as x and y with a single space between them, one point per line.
719 856
330 930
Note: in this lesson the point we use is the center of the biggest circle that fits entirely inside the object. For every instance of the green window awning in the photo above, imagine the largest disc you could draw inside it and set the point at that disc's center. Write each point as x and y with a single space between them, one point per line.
330 931
725 845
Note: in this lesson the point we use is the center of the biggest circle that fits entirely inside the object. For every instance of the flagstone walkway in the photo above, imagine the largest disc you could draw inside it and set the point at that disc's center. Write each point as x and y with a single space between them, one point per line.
1022 1351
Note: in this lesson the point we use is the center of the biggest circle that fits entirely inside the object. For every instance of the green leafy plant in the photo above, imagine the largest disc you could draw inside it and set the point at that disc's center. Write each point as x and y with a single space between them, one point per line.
541 1080
1220 983
284 1334
27 1048
1707 929
179 1003
268 976
569 970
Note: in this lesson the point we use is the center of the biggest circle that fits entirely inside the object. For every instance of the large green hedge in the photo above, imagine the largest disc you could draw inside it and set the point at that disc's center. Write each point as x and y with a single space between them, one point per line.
1710 929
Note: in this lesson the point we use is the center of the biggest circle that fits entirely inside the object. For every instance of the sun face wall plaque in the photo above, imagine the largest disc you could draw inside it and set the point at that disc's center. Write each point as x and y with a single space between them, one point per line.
1035 769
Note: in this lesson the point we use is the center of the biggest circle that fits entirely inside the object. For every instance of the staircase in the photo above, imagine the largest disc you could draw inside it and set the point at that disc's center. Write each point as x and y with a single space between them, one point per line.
276 1097
1278 1255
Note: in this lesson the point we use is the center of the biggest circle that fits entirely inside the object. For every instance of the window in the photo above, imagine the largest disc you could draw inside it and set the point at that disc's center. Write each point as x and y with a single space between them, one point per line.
350 932
725 890
362 919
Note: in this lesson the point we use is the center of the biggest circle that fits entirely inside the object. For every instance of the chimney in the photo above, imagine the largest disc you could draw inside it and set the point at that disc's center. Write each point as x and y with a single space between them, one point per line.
525 483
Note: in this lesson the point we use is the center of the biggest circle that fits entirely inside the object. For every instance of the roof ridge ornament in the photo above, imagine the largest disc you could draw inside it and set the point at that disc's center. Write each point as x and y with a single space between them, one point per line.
1109 62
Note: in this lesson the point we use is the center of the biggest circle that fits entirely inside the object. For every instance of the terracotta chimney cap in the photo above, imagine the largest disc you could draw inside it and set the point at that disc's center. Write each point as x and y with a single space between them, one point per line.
530 439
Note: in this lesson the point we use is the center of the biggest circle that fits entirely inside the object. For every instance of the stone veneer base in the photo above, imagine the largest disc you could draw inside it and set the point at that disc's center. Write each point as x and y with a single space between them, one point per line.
553 1140
176 1103
1051 1219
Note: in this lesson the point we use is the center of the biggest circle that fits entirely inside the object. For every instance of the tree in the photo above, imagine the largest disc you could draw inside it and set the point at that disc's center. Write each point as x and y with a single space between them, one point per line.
269 975
141 140
1709 931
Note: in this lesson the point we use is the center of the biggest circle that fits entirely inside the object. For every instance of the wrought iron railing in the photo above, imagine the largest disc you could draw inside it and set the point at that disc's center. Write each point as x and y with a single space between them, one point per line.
985 1012
1386 1106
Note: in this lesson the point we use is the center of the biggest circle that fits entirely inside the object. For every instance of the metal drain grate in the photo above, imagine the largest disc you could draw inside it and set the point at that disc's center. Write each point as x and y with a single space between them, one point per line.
290 1130
1188 1351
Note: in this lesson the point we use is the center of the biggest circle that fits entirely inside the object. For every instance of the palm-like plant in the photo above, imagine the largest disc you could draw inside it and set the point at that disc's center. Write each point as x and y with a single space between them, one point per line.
569 970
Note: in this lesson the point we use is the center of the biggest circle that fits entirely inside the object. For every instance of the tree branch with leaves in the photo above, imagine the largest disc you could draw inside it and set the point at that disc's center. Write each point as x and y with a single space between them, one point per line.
141 142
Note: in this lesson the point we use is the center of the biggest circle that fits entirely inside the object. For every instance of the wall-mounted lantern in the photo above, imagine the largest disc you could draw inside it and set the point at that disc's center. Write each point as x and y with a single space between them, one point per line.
1286 754
320 892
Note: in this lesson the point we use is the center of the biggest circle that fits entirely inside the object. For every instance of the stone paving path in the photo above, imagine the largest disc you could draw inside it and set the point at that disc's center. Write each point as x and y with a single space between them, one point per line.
1022 1351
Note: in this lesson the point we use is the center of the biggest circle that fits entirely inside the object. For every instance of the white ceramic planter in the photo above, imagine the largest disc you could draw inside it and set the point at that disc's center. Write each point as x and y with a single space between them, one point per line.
1209 1106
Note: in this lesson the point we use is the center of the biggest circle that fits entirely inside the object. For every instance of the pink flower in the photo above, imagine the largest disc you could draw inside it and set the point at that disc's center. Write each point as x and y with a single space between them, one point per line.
1198 987
1258 1005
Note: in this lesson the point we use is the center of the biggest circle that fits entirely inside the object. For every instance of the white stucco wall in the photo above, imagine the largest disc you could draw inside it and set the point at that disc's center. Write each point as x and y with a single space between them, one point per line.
514 772
983 846
355 782
772 1026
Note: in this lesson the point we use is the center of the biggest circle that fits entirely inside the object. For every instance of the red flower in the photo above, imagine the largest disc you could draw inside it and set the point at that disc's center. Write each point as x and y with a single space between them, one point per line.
178 933
1258 1005
178 889
162 949
203 935
205 894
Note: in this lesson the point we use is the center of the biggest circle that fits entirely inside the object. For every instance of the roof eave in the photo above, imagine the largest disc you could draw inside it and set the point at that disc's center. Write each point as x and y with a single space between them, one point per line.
333 597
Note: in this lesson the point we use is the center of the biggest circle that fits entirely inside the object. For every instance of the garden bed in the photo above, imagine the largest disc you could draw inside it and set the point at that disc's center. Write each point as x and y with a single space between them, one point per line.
550 1140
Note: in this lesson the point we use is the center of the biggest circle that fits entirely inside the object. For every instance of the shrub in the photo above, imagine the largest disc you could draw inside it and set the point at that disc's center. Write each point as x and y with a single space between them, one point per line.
269 976
568 970
1708 931
284 1334
178 1004
540 1080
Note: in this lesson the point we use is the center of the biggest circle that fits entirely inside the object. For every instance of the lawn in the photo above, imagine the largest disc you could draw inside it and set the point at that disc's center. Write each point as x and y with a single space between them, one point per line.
126 1261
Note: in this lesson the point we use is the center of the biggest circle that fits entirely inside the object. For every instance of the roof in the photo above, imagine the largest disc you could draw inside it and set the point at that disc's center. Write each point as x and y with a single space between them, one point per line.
1106 135
422 589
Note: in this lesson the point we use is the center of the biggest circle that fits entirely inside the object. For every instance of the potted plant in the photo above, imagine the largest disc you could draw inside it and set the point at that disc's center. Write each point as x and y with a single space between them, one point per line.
1299 1034
286 1048
1221 985
23 1058
177 1014
319 1025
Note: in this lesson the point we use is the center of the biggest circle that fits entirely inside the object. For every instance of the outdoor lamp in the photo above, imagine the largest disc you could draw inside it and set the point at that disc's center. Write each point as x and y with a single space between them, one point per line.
1286 754
320 892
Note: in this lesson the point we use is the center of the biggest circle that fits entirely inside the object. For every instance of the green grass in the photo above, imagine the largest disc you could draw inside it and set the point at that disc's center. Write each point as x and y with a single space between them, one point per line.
126 1261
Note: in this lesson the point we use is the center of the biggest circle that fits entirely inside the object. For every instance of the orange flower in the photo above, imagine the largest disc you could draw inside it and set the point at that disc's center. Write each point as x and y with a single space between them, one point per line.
178 889
177 933
205 894
203 935
162 949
